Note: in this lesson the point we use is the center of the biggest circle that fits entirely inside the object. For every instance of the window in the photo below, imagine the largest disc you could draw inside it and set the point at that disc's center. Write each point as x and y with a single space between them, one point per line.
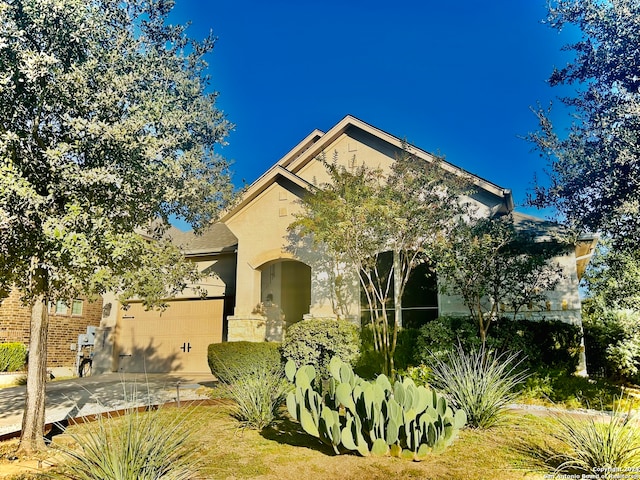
76 307
61 307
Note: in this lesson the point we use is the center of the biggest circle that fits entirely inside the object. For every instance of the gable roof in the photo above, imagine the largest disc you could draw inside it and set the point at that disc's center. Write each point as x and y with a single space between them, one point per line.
317 141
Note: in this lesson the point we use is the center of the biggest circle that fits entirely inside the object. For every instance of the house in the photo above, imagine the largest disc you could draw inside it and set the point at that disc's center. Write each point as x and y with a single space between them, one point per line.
256 282
67 321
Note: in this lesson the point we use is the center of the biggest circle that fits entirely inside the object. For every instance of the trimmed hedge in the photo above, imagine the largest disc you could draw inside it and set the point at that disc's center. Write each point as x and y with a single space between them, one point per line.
13 356
230 359
316 341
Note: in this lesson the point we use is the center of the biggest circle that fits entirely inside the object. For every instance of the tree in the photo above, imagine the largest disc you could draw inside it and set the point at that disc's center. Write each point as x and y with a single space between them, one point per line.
613 279
491 266
595 170
361 213
106 129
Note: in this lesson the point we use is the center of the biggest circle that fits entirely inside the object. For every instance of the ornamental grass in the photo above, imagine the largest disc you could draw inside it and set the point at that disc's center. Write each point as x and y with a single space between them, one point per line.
480 382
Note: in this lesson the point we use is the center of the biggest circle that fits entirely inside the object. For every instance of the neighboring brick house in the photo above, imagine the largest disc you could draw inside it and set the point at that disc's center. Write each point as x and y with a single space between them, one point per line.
66 322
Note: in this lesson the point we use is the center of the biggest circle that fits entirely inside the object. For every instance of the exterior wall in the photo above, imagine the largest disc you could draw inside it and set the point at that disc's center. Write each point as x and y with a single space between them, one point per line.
353 149
104 351
14 319
261 230
63 329
247 328
357 147
326 300
219 279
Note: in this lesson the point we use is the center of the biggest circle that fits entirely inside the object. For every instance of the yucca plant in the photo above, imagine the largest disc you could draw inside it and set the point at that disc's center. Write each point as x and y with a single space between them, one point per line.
598 444
258 394
479 382
134 446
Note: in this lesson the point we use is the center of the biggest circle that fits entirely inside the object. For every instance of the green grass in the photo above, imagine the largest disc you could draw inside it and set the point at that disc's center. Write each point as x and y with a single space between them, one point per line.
522 446
286 451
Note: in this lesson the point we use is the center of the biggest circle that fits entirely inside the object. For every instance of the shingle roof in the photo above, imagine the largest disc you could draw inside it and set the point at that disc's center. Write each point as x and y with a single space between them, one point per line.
541 229
215 239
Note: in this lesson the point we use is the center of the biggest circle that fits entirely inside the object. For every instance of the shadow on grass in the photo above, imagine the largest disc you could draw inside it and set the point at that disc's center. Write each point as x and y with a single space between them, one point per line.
212 384
288 432
541 456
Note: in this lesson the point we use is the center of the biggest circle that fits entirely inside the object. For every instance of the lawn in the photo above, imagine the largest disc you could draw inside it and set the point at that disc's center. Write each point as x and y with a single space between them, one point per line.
285 451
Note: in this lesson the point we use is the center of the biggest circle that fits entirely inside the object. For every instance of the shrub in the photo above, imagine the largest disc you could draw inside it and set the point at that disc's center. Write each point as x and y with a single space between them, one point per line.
253 376
258 394
136 446
612 344
558 387
370 362
230 359
421 374
13 356
316 341
440 336
479 382
405 348
598 446
543 344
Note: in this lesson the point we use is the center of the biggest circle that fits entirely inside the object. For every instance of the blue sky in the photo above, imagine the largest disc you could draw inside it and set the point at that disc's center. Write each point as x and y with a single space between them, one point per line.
454 78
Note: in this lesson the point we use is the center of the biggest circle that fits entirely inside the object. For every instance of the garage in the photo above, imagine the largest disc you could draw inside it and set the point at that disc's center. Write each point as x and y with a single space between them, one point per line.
173 340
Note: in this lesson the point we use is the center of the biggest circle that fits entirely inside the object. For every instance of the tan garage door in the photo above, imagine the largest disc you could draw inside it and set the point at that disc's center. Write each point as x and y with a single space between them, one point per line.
174 340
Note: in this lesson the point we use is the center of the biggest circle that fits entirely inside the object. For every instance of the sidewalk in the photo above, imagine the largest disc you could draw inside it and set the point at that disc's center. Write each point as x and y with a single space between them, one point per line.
79 397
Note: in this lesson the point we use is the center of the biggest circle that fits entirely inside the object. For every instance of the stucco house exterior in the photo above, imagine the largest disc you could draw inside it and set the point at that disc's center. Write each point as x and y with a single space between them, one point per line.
257 283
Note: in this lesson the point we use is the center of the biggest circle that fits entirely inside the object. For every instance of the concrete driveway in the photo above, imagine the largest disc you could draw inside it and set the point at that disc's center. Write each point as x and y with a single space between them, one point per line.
78 397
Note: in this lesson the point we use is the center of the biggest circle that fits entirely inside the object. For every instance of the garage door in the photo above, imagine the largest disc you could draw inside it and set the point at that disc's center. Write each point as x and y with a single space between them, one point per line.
174 340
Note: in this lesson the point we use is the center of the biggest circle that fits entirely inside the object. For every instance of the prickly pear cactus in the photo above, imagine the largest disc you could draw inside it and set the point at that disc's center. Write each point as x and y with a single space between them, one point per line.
372 418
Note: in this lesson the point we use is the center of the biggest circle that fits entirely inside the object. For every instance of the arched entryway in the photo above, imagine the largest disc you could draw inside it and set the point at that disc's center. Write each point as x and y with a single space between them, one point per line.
287 285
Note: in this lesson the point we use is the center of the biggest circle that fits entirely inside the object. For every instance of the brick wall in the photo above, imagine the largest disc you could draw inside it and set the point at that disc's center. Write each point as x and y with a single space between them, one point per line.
63 328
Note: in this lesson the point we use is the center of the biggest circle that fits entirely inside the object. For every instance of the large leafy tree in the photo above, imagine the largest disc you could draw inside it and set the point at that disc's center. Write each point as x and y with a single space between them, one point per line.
613 279
595 168
106 129
363 212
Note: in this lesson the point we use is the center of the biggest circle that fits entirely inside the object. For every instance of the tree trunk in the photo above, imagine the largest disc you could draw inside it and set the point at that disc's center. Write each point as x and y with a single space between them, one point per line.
32 437
397 288
483 334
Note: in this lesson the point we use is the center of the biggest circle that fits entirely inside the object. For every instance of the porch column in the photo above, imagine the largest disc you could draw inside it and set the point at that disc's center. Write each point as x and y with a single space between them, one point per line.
247 323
